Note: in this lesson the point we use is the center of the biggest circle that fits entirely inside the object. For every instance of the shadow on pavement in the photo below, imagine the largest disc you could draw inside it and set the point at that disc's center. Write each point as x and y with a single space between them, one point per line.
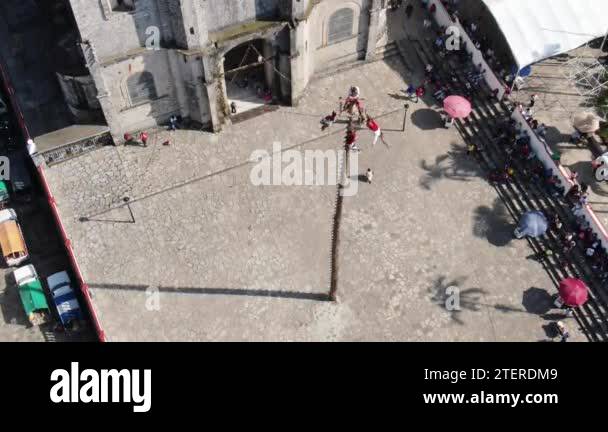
537 301
494 224
442 291
218 291
454 165
427 119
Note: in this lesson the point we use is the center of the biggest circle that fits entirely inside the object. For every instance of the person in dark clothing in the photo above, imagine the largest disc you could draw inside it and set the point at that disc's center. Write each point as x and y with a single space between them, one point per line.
173 123
409 10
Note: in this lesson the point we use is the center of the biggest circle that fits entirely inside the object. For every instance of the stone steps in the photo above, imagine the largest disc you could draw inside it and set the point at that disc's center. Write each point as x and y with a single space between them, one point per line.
408 54
386 51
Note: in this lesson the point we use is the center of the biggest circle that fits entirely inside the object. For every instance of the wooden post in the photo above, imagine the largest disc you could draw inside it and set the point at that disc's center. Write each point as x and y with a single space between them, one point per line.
406 106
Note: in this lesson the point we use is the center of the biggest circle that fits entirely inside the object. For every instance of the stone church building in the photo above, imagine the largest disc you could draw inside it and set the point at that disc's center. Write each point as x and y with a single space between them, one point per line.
150 59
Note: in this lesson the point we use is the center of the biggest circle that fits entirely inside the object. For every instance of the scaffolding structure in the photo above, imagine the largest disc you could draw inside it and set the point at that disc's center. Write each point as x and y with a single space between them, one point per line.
588 77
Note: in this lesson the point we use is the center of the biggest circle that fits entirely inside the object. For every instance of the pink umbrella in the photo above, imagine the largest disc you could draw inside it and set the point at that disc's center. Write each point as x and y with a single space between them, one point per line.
573 291
457 106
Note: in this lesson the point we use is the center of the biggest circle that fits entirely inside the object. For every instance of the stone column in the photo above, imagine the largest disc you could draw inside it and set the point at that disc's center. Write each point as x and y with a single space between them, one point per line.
285 86
269 54
195 24
299 56
178 79
103 94
373 29
219 109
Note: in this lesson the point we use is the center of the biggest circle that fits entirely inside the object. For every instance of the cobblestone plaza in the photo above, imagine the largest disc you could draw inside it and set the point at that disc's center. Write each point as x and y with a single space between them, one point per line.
202 254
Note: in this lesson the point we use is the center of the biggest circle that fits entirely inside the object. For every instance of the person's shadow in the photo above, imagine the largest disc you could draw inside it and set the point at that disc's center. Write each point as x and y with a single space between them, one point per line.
361 178
398 96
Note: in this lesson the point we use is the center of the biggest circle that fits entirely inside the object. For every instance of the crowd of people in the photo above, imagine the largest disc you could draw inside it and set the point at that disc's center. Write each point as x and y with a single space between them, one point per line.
352 107
519 154
574 231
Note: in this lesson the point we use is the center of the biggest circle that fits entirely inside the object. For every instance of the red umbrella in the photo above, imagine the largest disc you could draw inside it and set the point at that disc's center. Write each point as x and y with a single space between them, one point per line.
457 106
573 291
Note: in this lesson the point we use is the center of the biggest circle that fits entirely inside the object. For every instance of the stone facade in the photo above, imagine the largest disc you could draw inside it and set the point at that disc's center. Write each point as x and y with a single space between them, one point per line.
150 59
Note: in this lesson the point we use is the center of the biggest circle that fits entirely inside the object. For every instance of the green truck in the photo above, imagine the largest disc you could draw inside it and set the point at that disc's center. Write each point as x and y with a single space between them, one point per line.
32 295
4 194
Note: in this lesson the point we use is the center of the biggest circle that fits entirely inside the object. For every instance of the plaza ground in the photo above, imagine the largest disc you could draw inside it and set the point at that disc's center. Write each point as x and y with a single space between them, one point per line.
202 254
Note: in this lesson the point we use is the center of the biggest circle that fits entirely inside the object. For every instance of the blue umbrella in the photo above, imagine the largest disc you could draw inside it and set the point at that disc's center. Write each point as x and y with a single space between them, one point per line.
532 224
525 72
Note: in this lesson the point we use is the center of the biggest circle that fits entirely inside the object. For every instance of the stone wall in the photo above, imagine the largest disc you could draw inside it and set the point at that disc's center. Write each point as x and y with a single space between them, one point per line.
115 33
134 116
224 13
185 70
80 94
323 55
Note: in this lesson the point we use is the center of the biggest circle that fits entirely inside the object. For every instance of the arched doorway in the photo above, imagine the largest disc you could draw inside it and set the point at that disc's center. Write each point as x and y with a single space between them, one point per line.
249 73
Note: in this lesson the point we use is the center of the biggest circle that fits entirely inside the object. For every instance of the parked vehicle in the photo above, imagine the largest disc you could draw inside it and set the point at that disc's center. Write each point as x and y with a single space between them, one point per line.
65 300
4 195
12 243
3 107
32 295
21 181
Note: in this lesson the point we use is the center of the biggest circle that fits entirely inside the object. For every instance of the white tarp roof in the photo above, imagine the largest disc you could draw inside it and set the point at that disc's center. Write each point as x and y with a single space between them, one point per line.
539 29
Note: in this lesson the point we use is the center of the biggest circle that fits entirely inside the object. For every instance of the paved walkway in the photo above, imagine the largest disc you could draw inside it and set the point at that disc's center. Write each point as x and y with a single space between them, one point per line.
233 261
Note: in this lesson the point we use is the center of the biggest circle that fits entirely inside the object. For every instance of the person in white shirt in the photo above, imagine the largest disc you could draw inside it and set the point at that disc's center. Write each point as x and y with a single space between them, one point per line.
31 147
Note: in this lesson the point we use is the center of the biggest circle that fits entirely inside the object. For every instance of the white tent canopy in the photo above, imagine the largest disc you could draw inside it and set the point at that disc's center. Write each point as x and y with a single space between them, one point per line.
539 29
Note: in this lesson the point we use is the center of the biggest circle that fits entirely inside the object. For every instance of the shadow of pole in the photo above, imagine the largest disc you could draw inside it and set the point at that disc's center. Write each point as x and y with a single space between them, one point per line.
246 292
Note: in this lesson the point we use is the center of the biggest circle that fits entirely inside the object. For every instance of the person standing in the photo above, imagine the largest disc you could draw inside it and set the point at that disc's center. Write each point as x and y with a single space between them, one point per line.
373 126
533 99
31 147
420 91
144 138
369 175
233 107
409 10
173 123
328 120
351 138
411 91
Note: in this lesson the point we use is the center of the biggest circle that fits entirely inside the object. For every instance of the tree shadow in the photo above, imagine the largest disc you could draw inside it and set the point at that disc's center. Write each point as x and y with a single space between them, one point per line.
493 223
454 165
468 299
